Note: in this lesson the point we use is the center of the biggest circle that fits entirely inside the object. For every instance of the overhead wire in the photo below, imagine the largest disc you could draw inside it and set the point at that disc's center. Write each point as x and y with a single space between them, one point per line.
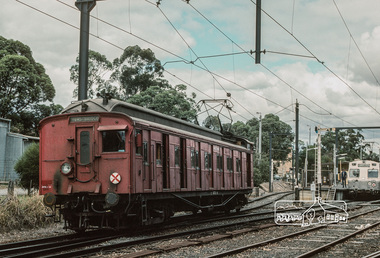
108 42
183 59
204 65
356 44
269 70
321 62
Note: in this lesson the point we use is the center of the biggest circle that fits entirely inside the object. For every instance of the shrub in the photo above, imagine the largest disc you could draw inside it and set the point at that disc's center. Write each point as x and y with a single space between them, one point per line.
23 212
28 165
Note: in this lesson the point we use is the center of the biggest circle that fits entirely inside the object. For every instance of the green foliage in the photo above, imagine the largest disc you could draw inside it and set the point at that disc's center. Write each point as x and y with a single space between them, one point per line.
282 137
23 81
98 69
169 101
28 165
133 72
26 122
261 170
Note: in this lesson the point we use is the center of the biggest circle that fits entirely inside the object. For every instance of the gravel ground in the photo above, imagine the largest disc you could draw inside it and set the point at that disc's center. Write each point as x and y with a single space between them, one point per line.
22 235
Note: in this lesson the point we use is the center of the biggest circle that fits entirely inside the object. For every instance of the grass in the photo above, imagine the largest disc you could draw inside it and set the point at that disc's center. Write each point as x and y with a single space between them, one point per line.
23 212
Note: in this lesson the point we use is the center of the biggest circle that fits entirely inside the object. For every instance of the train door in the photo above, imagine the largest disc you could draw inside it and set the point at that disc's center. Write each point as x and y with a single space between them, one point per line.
183 164
228 172
147 168
237 170
165 162
217 166
198 173
174 163
157 164
85 154
142 164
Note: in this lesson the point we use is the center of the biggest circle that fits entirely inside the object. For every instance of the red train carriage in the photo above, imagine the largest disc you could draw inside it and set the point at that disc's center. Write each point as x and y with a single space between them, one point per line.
112 164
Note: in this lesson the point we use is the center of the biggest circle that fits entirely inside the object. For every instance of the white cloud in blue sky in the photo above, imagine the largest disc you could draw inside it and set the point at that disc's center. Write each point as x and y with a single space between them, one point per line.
316 24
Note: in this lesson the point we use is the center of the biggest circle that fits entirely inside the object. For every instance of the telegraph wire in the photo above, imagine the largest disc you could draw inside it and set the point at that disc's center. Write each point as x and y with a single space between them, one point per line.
357 46
186 61
206 68
321 62
270 71
73 26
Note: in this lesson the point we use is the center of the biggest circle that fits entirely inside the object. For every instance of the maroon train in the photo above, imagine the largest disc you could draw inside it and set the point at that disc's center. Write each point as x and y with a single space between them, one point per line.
106 163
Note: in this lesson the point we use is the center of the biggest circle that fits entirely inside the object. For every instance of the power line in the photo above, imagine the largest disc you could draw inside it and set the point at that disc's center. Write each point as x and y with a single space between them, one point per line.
214 74
327 68
357 46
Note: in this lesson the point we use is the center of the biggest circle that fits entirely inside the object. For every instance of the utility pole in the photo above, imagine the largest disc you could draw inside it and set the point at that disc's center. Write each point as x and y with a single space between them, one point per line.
260 126
258 32
85 7
319 163
297 133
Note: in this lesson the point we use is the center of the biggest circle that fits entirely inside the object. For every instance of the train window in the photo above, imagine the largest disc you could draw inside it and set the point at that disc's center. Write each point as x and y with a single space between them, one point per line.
373 173
176 156
229 164
238 165
113 141
145 153
354 172
138 141
85 147
197 159
192 158
206 161
219 161
158 154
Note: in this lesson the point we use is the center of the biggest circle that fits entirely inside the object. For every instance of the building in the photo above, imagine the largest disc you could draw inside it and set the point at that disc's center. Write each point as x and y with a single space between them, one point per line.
12 146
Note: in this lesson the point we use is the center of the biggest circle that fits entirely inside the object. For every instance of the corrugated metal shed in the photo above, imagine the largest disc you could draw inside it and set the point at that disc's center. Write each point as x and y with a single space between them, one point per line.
12 146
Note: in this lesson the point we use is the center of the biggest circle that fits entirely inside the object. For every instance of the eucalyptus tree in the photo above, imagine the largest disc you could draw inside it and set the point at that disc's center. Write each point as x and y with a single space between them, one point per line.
23 81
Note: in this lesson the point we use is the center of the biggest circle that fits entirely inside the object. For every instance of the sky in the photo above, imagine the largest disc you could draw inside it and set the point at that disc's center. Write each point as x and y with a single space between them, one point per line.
322 53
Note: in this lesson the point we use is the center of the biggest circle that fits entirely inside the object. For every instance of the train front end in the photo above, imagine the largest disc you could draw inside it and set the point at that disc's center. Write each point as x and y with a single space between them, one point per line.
85 167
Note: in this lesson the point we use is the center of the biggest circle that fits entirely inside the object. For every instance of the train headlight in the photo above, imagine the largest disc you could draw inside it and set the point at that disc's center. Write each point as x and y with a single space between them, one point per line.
66 168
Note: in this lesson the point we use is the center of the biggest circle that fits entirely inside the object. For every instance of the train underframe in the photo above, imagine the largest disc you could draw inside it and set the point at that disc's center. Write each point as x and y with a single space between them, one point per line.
84 211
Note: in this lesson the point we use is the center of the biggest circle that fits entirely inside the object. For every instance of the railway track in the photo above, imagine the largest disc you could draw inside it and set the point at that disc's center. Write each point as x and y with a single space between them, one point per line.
40 247
318 241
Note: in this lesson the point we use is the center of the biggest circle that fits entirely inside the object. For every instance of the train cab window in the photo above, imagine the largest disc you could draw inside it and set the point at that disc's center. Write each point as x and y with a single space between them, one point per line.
113 141
354 172
373 173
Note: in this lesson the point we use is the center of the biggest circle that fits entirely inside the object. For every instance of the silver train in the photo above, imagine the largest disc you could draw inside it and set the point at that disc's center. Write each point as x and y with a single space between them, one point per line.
363 178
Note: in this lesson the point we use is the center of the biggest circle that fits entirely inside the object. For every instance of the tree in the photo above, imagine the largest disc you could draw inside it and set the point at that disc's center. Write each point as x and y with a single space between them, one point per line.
23 81
99 70
133 72
349 141
26 122
27 167
136 70
170 101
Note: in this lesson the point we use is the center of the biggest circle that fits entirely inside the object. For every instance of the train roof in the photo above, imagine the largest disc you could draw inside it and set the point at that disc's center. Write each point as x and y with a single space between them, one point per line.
141 113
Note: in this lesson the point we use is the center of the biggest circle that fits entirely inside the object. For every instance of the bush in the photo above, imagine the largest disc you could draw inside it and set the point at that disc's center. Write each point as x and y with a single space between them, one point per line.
28 165
23 212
